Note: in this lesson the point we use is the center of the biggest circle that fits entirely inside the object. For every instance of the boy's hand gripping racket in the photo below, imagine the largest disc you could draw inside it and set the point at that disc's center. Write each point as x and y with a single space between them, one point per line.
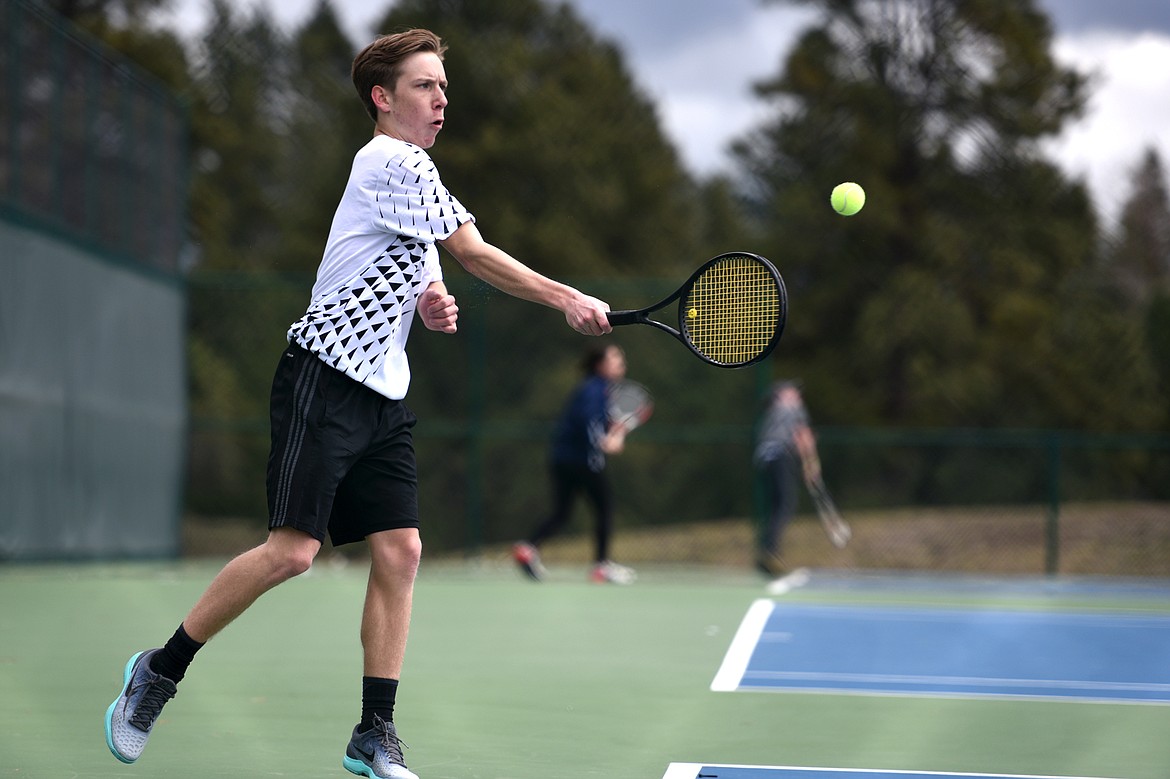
731 311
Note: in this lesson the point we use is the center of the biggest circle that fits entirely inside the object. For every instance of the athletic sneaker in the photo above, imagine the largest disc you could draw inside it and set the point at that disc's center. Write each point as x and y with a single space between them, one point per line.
610 572
528 559
132 715
377 753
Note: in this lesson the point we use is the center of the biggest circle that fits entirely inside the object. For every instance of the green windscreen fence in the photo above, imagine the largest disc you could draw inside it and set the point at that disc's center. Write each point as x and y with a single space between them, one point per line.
92 311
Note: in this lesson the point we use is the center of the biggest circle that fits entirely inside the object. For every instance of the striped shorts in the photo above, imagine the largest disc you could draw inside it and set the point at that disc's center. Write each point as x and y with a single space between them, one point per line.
342 459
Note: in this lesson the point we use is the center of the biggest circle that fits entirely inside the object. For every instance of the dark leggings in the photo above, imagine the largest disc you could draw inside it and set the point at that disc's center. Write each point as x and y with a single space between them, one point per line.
781 487
569 479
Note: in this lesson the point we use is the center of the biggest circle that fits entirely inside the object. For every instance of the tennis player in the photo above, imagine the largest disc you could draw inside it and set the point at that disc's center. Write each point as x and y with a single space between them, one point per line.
342 460
582 439
785 447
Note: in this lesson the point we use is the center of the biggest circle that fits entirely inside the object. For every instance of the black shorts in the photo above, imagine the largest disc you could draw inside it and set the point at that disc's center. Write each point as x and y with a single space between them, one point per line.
342 457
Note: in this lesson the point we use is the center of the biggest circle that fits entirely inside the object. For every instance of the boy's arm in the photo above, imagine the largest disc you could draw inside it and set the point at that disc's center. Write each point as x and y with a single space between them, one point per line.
584 313
806 445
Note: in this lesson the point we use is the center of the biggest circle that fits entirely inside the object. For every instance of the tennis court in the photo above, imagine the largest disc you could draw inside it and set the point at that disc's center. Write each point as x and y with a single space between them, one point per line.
510 680
1017 653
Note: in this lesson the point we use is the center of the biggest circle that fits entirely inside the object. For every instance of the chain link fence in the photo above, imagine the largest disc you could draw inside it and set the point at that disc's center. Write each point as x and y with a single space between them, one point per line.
955 500
91 147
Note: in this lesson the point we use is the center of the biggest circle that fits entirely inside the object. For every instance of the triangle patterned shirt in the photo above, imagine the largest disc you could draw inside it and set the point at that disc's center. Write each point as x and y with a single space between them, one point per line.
379 258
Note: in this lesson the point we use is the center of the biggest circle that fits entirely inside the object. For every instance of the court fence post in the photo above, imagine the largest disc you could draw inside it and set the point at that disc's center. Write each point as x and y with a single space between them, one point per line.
1052 525
476 401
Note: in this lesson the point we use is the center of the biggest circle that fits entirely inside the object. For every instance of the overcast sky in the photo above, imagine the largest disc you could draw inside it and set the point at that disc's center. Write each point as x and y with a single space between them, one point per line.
698 59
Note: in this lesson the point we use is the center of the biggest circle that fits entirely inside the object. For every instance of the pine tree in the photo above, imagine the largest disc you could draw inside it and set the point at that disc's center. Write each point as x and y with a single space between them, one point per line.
325 128
1139 266
949 300
1140 260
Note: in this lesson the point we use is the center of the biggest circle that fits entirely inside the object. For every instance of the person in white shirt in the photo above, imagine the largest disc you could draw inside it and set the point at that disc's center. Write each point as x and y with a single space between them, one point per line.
342 461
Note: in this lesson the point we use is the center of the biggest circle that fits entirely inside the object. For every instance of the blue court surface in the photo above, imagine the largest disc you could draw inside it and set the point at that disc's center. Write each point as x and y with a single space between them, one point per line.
956 652
701 771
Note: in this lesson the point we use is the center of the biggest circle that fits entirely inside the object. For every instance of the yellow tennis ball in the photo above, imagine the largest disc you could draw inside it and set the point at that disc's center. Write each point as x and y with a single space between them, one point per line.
847 198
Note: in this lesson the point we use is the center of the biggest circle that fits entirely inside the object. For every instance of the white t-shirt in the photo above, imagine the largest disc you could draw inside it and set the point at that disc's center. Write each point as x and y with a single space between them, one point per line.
379 258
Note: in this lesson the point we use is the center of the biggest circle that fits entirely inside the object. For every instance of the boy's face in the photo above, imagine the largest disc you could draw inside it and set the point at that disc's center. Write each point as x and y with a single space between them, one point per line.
613 364
416 102
789 397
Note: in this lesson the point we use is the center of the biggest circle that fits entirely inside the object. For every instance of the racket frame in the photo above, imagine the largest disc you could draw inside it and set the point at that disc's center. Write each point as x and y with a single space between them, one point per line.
641 316
836 528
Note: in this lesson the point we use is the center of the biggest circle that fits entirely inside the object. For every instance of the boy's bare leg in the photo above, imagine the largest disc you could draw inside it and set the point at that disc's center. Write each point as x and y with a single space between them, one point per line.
131 717
394 559
374 748
286 553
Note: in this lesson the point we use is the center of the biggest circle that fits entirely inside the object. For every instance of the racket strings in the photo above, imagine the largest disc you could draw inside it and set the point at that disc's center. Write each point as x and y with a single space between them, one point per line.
624 402
733 311
629 404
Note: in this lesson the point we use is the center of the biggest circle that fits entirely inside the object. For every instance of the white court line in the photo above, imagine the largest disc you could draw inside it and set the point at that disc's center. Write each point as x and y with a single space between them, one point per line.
973 681
682 770
738 655
691 770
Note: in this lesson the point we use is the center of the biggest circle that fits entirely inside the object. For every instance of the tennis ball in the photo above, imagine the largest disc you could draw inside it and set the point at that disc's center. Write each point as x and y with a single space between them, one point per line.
847 198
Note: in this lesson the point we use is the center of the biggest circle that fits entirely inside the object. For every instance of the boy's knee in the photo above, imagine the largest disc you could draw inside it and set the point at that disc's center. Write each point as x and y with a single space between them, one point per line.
296 562
398 551
292 555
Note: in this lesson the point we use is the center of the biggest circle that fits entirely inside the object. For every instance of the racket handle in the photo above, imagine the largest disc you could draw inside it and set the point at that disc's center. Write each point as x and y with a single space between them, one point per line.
619 318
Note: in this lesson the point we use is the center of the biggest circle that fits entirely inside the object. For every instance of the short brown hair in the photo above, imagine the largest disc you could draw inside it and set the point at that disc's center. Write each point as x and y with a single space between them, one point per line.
380 63
596 355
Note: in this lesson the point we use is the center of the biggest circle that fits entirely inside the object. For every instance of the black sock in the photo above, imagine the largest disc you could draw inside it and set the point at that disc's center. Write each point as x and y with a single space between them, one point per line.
172 660
377 698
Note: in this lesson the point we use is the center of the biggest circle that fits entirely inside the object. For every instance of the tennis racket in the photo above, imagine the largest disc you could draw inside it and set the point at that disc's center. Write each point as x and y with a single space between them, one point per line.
630 404
731 311
836 528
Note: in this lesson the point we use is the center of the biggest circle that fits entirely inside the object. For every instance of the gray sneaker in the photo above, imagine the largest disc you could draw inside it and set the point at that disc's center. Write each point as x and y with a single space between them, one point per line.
131 716
377 753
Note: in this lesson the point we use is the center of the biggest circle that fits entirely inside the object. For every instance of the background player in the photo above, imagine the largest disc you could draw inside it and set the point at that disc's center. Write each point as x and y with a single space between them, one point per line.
582 439
785 447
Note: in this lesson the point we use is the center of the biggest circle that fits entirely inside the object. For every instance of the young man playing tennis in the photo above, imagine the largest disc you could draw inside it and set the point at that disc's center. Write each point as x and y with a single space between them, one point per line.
582 439
342 459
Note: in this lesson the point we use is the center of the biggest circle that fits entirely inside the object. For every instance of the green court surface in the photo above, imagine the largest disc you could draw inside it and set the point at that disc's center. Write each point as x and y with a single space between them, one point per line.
507 679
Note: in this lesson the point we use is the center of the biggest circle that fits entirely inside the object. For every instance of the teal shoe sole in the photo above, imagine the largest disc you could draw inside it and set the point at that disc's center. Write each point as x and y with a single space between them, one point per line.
110 711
